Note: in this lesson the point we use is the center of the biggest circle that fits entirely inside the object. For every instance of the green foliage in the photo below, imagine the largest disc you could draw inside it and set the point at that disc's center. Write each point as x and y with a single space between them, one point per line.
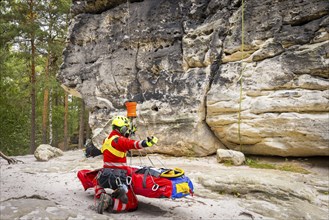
256 164
290 167
14 105
48 28
228 163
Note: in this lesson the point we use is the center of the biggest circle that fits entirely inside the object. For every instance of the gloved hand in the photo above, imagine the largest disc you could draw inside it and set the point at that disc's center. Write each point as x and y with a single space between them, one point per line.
151 141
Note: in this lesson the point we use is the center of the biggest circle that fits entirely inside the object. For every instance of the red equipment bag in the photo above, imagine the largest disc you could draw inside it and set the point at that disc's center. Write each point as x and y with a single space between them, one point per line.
161 183
88 178
149 182
151 186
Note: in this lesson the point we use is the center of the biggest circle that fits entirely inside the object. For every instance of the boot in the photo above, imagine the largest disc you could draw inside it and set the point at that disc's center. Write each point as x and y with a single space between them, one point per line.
121 193
99 191
105 202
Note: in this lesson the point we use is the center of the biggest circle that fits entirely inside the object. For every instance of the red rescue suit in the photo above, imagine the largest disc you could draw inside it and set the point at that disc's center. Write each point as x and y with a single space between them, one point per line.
114 151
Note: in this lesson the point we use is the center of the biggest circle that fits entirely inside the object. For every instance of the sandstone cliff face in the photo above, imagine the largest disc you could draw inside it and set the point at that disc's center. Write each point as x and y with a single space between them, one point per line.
182 62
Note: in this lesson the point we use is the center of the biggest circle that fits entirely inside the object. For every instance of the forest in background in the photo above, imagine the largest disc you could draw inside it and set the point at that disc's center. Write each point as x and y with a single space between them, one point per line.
34 108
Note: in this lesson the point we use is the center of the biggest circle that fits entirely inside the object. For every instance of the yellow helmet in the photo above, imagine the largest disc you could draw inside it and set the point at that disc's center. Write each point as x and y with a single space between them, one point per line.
120 121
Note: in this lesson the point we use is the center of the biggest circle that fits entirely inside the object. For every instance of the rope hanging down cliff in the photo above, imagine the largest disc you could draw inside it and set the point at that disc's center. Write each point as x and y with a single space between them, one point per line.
241 73
135 118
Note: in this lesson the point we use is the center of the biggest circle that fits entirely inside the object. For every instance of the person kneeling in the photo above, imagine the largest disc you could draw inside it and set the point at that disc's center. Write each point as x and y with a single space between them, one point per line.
114 150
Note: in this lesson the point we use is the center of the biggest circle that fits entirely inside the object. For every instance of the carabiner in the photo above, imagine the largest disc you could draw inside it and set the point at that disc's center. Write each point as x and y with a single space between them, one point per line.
128 180
155 187
118 181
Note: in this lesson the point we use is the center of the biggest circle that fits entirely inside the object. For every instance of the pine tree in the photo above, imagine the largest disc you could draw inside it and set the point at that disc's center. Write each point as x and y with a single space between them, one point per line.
66 110
31 43
82 124
55 20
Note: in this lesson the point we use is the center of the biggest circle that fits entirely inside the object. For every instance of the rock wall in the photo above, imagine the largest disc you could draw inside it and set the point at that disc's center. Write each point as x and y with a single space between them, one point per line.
183 60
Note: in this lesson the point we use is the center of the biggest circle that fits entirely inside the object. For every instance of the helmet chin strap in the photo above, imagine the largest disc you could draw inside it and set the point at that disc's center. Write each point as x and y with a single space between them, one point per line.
124 131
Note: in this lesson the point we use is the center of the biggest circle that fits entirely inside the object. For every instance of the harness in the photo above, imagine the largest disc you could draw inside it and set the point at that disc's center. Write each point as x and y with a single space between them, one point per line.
113 178
108 146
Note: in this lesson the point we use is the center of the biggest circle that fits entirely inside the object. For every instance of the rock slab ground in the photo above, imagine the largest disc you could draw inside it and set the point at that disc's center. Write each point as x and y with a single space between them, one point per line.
39 190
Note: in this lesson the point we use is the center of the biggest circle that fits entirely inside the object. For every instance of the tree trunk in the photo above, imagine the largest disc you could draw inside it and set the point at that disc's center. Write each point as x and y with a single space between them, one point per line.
82 124
45 103
33 100
66 111
50 118
56 130
33 82
87 126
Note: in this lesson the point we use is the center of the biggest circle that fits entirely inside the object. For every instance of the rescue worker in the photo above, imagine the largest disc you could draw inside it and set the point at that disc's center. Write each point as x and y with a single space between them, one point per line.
115 173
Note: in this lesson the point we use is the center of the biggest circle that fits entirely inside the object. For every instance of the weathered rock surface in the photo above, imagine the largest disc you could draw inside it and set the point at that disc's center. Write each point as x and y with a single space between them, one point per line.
45 152
288 191
40 190
182 62
36 207
235 157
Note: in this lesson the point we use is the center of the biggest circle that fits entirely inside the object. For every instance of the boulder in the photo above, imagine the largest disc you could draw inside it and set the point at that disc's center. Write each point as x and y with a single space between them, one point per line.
45 152
231 156
184 71
106 63
284 108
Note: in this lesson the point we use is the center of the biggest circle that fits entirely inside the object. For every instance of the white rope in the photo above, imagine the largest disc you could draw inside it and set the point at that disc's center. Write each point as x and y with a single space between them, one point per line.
128 33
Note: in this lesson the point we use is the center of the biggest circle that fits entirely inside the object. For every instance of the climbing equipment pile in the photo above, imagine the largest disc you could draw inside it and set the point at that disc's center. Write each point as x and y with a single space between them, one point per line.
162 183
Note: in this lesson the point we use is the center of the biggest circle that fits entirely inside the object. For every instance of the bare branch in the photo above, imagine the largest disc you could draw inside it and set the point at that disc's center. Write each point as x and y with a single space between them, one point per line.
8 159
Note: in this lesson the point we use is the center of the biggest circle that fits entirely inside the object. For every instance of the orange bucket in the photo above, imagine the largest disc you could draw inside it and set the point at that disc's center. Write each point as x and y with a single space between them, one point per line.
131 109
